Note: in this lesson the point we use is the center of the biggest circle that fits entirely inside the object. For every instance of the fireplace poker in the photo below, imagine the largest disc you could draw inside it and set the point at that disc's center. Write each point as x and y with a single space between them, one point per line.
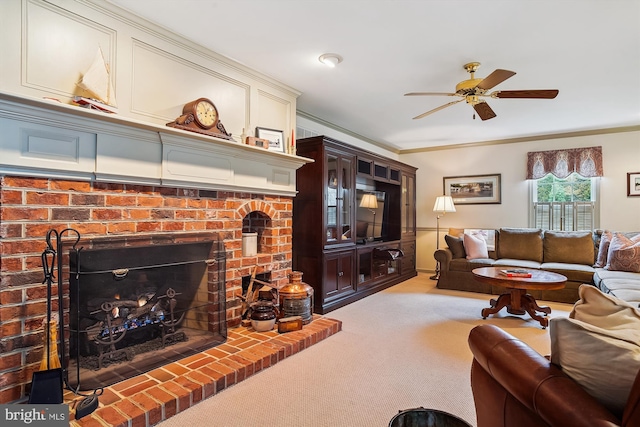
48 263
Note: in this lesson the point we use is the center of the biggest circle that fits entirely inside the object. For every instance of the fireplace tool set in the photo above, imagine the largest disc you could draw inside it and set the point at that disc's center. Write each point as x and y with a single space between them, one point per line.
47 384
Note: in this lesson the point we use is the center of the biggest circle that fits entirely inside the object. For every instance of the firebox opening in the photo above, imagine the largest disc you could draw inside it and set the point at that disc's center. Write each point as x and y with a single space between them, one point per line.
137 303
246 281
248 294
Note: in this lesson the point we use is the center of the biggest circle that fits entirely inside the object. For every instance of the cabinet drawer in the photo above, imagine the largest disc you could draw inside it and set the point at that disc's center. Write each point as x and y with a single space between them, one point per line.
408 262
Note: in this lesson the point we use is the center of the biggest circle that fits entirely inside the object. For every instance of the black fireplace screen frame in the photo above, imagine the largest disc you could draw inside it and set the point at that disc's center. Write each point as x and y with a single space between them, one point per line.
142 288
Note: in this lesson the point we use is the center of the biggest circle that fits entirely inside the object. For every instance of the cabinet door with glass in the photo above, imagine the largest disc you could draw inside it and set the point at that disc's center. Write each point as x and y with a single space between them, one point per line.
339 193
408 204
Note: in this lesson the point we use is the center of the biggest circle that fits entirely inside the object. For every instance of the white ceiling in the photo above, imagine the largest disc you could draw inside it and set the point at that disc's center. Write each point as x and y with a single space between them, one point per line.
588 49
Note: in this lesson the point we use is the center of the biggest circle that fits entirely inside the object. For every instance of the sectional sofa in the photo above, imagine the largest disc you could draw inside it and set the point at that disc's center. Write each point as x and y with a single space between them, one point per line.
572 254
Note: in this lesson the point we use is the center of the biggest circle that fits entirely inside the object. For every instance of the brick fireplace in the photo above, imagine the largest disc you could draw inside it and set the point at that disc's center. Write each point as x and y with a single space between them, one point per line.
33 205
111 176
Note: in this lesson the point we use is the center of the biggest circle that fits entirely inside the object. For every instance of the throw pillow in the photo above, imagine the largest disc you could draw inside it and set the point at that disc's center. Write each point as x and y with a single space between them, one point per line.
520 243
603 249
571 247
598 346
624 253
475 247
489 236
456 246
456 232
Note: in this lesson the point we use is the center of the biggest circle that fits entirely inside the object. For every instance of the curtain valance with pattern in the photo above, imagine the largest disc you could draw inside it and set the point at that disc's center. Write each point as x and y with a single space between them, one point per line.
585 161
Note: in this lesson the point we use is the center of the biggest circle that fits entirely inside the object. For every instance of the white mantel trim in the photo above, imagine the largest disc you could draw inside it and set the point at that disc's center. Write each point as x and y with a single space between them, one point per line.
50 139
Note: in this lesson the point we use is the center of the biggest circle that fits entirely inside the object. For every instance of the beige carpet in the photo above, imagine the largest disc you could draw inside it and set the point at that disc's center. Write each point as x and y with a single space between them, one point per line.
405 347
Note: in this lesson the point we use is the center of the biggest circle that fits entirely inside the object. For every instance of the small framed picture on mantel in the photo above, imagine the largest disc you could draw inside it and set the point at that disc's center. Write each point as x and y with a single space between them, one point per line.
274 136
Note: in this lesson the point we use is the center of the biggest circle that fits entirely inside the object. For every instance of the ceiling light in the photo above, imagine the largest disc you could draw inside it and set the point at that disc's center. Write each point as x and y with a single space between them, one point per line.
330 59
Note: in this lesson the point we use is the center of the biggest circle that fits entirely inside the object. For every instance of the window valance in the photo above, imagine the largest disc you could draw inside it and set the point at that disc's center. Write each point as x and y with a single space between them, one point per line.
585 161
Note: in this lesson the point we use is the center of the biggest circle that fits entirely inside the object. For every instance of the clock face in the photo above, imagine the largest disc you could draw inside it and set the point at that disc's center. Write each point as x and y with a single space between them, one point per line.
205 113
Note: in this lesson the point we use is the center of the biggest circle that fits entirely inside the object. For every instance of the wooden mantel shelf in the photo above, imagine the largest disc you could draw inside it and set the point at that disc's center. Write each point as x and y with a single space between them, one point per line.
46 138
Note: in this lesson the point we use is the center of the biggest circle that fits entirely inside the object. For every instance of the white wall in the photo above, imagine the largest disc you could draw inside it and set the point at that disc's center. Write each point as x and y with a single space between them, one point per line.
46 47
621 152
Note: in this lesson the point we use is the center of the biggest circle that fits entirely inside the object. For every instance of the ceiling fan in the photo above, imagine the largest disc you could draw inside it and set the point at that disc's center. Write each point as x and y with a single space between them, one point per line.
473 90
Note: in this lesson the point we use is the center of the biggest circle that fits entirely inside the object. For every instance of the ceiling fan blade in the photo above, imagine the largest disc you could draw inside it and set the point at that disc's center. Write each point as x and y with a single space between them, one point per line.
484 111
539 94
437 109
430 94
495 78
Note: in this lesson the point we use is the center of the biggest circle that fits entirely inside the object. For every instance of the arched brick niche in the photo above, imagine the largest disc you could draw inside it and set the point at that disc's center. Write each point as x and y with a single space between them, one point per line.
271 220
258 222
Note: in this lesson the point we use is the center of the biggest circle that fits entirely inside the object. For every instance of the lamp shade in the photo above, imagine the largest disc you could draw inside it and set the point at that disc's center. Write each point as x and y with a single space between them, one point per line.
444 204
369 201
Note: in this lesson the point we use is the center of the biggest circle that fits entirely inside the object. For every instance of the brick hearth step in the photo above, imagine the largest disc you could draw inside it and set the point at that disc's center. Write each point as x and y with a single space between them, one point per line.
149 398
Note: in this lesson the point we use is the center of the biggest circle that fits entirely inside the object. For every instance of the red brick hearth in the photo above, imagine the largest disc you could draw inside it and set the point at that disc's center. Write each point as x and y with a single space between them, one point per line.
32 206
162 393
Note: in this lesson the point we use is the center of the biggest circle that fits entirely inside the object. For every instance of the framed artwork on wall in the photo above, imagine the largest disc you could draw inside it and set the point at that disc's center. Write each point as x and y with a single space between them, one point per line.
275 137
633 184
473 189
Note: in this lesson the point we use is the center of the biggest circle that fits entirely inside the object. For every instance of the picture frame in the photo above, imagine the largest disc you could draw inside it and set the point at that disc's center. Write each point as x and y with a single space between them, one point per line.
633 184
473 189
274 136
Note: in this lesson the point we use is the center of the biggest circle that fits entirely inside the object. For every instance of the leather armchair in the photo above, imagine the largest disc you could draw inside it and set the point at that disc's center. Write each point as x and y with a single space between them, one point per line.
513 385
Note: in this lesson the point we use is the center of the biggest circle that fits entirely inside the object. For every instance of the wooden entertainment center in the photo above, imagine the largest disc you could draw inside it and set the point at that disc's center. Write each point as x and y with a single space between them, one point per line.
354 222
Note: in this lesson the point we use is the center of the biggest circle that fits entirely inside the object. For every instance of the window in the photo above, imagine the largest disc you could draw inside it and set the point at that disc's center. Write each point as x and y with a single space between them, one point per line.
564 188
569 204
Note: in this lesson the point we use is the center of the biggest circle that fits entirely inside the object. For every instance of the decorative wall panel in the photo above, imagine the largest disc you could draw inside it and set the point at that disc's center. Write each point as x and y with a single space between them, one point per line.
160 79
59 47
274 113
197 165
128 156
31 145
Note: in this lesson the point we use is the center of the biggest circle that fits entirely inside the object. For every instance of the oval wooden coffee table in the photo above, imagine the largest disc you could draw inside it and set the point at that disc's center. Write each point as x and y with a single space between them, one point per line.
517 300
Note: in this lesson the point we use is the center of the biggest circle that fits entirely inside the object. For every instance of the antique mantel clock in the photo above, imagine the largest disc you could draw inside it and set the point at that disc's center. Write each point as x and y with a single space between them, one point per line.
201 116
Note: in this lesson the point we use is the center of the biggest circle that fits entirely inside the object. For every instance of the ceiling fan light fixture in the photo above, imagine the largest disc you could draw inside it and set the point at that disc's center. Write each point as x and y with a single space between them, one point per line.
473 90
330 59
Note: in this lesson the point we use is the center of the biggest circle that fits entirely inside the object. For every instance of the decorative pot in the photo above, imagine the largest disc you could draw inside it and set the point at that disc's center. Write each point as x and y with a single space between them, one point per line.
263 316
296 298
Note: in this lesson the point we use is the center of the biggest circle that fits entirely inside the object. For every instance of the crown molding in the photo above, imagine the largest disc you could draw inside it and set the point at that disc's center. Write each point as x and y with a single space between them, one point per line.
347 131
541 137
